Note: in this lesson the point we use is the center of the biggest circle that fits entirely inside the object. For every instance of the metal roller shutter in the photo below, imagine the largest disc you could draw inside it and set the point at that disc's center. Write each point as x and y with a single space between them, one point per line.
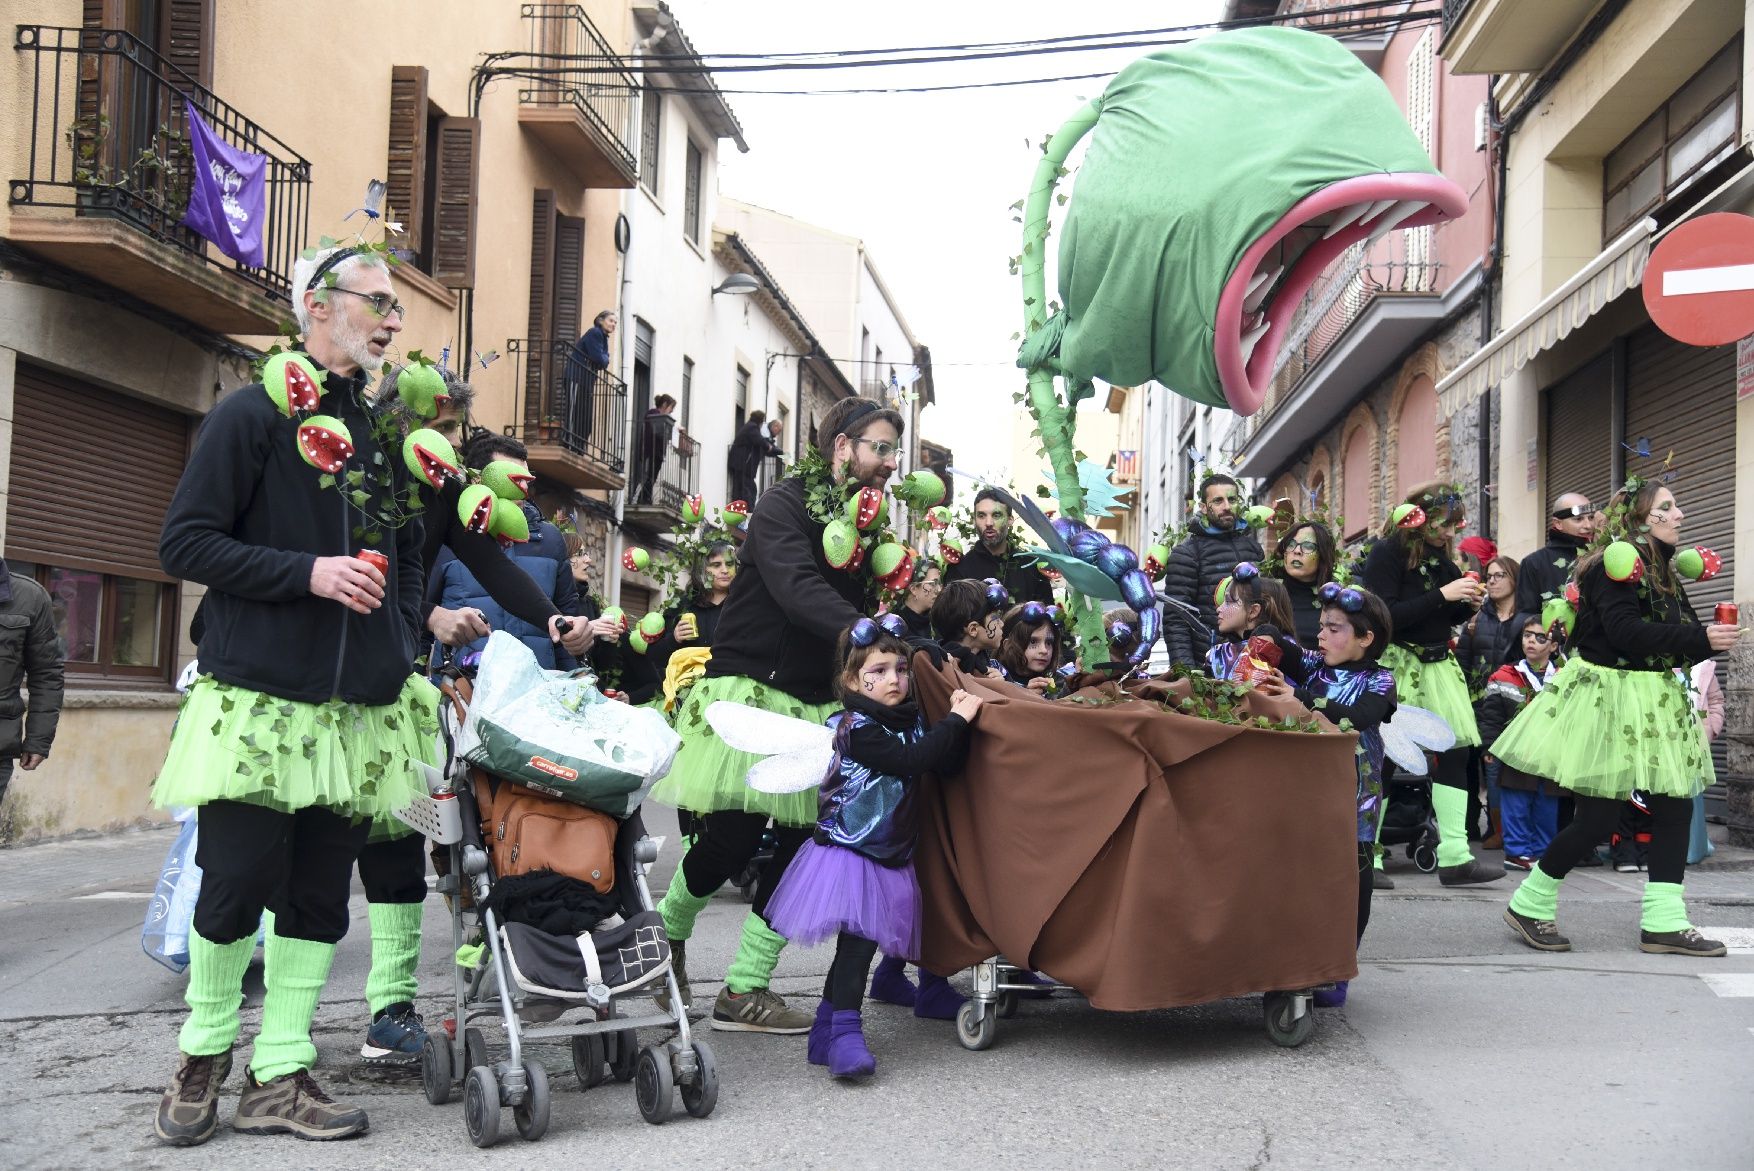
1683 399
1578 435
92 474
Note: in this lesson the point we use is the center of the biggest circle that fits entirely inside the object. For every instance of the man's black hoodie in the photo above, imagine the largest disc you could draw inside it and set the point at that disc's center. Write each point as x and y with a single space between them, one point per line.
1543 573
249 520
788 606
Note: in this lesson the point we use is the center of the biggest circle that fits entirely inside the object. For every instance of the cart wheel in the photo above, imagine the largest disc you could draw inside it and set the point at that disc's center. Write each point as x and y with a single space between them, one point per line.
700 1096
1425 858
975 1034
654 1086
1284 1026
1007 1005
531 1116
624 1055
481 1106
435 1069
589 1060
474 1049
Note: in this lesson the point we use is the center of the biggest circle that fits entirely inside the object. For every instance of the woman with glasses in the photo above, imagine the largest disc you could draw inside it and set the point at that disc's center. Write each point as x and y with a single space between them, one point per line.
1488 641
1529 804
1304 561
916 608
1412 569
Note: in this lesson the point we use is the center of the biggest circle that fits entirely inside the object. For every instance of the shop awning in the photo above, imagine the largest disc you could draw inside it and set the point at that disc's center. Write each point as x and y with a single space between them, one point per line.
1619 267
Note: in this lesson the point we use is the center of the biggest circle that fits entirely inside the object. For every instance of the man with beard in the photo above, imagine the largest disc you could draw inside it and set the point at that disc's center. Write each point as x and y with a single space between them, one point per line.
993 556
1571 526
774 650
1218 539
305 723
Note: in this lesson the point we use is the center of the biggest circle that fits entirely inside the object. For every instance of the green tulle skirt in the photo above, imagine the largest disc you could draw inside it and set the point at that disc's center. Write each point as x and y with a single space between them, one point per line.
1600 732
708 775
1438 687
234 744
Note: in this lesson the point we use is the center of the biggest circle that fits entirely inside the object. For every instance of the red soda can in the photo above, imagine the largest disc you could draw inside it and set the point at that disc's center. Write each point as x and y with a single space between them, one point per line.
1472 575
374 559
1726 615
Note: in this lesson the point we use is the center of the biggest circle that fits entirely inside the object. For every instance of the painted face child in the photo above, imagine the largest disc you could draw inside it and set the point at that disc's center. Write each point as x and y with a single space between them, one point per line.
1537 645
883 677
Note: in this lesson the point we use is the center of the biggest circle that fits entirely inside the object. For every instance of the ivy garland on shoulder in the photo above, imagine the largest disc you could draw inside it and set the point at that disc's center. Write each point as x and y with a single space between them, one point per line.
856 537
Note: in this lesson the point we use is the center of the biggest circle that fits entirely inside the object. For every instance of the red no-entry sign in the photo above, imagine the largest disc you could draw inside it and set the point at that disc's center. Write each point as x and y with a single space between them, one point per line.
1699 283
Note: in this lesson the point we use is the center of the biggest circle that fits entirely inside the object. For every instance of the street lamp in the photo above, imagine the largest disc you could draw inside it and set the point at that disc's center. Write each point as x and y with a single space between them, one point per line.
739 283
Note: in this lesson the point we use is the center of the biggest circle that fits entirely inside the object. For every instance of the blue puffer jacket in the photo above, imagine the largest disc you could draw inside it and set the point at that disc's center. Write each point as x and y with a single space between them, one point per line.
543 557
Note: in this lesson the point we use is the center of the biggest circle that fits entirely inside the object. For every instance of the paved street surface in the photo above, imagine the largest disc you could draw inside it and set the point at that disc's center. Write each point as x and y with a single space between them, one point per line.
1459 1049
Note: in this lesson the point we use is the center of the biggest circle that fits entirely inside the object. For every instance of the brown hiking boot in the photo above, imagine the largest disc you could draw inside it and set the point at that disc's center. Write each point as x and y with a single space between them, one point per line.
189 1109
1540 934
1681 943
678 965
295 1104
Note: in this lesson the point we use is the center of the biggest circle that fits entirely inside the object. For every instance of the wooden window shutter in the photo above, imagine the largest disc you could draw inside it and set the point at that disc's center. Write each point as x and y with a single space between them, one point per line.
457 178
405 170
536 340
569 277
186 39
91 496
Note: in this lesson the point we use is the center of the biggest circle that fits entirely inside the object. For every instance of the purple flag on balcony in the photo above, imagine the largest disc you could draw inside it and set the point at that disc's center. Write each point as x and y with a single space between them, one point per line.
228 194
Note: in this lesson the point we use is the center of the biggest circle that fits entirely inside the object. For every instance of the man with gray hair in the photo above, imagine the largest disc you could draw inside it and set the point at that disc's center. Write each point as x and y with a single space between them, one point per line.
305 723
1571 526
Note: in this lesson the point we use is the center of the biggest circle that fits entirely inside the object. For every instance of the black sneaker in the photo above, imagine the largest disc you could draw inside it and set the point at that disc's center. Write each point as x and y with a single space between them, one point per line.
395 1038
1540 934
1682 943
189 1110
295 1104
1470 873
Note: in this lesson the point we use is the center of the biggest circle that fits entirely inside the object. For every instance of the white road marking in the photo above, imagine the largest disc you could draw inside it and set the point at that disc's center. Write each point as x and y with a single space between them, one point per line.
1740 940
1737 984
1728 278
115 894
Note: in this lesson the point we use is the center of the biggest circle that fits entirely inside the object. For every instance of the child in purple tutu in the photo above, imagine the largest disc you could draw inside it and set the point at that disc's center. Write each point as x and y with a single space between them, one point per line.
854 880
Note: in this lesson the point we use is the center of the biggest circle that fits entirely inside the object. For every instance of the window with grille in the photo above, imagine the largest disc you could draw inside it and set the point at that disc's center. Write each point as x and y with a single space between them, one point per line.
1694 129
651 116
691 194
687 394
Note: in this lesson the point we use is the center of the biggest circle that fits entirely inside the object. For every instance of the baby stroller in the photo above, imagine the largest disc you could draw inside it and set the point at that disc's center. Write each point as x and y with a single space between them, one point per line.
593 987
1409 819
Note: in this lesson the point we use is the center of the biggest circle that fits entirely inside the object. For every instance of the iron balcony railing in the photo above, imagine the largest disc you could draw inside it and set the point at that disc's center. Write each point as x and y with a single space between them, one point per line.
1452 11
577 68
664 474
565 401
109 136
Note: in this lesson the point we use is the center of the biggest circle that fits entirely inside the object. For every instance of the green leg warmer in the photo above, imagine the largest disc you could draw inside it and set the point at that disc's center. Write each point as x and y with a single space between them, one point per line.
679 906
1663 908
1537 896
757 955
1451 807
395 953
294 971
215 992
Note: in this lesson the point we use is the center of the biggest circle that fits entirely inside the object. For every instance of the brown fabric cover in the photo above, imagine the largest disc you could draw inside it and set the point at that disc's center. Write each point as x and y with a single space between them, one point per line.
1147 858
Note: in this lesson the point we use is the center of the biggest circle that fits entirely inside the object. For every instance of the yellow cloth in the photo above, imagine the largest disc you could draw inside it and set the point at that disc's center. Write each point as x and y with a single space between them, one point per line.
686 665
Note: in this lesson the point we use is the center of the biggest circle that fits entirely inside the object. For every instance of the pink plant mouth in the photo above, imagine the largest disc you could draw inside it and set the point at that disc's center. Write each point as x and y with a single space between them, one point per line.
1268 283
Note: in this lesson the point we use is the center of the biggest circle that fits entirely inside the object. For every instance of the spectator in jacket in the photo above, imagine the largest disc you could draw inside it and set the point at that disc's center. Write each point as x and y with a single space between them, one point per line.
1218 541
654 444
753 443
1529 804
1571 526
30 654
543 558
993 556
590 356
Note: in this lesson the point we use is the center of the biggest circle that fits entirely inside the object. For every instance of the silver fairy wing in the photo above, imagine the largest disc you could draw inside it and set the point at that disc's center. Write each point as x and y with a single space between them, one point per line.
1412 732
797 752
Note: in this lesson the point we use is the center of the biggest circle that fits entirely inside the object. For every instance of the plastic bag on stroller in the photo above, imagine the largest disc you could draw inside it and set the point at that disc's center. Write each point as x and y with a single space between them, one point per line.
165 937
554 732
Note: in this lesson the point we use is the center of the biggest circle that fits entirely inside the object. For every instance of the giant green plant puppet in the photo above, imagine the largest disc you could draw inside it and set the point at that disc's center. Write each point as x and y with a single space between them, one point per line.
1221 177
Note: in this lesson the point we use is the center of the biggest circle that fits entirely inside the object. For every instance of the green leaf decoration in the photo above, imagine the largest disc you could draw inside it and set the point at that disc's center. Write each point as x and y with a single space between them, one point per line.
356 477
326 480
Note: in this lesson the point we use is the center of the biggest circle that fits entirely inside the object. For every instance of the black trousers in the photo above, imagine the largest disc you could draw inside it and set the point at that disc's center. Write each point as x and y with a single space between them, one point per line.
849 973
394 870
298 865
1452 769
1366 884
1595 819
727 841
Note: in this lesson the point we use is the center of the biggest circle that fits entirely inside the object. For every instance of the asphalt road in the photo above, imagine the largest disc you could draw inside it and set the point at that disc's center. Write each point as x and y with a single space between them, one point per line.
1459 1049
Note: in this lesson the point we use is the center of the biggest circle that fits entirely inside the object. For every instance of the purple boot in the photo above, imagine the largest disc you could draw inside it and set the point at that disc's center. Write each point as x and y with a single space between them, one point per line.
816 1046
848 1055
937 999
1334 998
889 983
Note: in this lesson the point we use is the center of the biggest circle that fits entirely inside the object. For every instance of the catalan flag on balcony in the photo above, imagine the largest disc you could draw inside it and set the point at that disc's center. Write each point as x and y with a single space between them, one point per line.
1126 466
228 193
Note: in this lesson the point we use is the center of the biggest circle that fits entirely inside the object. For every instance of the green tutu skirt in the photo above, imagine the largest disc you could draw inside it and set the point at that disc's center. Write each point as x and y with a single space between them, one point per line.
234 744
708 775
1600 732
1438 687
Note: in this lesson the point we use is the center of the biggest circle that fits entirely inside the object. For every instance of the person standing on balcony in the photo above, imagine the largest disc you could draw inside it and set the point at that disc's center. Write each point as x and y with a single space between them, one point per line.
589 357
995 554
748 449
1571 526
654 443
1218 541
